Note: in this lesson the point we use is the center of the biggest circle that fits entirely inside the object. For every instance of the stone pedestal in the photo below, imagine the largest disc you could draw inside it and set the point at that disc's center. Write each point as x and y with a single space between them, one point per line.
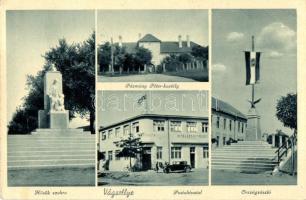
253 131
43 119
59 120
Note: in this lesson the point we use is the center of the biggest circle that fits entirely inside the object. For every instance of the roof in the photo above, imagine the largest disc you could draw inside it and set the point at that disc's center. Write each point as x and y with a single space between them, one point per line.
165 46
149 38
173 47
141 116
222 106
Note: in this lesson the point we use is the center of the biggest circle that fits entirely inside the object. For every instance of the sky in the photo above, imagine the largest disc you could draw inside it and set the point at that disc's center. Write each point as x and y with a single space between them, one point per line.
275 37
115 106
32 33
166 25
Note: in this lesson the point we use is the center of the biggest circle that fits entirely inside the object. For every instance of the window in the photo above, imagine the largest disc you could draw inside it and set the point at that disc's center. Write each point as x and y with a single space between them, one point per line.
135 127
224 123
159 125
117 131
205 152
230 125
159 153
103 135
175 126
110 133
238 126
191 127
126 130
204 127
110 155
103 155
116 154
176 152
242 127
218 122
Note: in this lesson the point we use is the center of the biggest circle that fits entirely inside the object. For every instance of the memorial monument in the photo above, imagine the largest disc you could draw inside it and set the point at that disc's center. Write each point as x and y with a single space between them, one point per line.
54 115
252 58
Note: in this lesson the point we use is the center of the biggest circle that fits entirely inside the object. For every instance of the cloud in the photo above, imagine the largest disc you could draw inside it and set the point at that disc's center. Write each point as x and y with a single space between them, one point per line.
277 37
275 54
234 36
218 67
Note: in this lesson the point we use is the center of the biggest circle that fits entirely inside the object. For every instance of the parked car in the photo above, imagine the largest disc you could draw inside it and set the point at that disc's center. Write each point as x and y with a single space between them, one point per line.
176 166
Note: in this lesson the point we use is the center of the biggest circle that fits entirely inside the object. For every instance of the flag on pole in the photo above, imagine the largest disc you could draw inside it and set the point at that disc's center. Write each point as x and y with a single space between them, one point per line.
252 59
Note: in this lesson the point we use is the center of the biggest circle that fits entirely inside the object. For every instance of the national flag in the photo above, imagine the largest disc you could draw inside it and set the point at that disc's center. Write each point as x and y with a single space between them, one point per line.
252 59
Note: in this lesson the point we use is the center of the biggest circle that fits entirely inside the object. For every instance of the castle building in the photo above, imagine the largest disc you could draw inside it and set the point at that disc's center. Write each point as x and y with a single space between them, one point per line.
228 123
164 138
161 49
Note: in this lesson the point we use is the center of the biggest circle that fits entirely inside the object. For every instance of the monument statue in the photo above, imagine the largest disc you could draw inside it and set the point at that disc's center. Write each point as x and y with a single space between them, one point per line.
54 114
56 98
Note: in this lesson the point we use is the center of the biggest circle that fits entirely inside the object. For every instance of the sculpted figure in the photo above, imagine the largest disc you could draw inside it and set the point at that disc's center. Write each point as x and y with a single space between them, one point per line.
56 98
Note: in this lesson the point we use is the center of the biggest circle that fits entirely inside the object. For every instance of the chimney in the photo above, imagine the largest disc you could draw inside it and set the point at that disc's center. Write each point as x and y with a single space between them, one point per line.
188 41
120 41
180 41
139 36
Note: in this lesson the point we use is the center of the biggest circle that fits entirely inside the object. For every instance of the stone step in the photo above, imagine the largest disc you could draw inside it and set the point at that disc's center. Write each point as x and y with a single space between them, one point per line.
53 152
50 148
21 144
58 130
51 163
241 169
251 165
243 152
225 156
243 161
247 145
50 157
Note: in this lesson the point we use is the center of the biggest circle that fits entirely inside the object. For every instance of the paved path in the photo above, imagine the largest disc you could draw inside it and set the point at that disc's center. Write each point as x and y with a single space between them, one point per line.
144 78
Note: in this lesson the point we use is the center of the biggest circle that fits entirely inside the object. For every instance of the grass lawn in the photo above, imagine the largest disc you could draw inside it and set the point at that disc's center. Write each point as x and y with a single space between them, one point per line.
65 176
195 75
221 177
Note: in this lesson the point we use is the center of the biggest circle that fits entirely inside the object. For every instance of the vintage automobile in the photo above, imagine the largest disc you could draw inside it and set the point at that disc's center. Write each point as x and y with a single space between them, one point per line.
177 166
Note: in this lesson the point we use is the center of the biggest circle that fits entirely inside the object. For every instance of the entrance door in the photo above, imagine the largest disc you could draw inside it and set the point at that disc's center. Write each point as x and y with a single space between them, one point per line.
192 157
146 158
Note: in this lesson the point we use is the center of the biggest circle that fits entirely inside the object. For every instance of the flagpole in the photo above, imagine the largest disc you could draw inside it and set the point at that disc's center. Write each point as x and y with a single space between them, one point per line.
253 85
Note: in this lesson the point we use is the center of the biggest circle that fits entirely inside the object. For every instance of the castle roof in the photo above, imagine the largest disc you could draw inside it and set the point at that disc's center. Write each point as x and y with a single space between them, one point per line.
149 38
165 46
224 107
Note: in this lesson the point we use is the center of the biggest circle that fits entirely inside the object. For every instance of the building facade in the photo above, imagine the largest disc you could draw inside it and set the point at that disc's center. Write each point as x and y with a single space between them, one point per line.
160 50
228 123
164 139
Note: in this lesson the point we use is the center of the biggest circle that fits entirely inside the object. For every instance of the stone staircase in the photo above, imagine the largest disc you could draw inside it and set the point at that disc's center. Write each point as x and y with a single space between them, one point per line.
245 156
49 148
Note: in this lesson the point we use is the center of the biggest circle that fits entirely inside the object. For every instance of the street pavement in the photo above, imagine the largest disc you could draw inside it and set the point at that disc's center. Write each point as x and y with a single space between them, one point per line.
151 178
221 177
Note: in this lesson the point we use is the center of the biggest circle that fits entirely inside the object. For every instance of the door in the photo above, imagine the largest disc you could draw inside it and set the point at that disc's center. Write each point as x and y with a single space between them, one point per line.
192 157
146 158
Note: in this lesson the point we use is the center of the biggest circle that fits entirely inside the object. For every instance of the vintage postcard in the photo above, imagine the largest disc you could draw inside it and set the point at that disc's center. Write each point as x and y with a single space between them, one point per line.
153 100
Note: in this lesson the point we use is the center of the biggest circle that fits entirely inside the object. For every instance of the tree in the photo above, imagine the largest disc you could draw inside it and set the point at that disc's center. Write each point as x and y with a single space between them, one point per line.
286 110
104 56
172 63
76 62
130 147
200 52
143 56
